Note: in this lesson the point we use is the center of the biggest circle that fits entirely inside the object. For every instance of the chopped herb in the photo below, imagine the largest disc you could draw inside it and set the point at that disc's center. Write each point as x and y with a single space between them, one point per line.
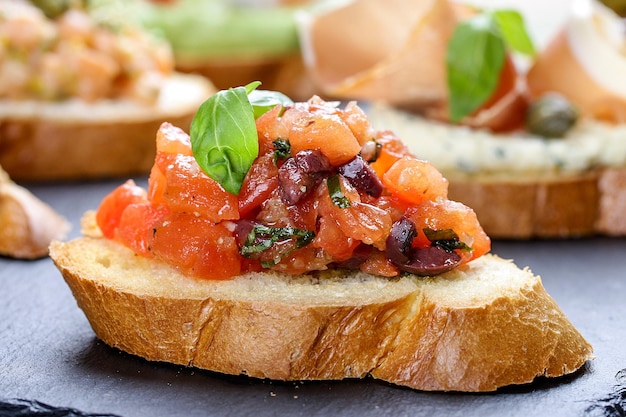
446 239
336 195
282 149
263 237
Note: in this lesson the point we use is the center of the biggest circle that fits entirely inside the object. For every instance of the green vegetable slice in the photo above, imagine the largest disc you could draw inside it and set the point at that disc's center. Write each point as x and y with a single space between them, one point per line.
224 136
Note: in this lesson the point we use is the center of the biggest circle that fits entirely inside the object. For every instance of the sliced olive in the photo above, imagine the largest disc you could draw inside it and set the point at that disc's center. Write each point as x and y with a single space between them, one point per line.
362 176
551 116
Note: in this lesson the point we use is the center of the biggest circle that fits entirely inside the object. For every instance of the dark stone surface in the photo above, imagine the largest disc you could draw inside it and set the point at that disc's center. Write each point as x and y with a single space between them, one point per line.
49 354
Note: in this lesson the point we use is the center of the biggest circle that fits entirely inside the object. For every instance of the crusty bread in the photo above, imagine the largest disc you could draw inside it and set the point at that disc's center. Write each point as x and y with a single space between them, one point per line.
485 325
27 224
69 140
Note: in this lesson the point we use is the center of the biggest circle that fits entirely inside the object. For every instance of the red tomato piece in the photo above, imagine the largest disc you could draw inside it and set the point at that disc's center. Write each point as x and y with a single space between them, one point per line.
259 183
414 181
447 214
189 189
197 246
136 228
113 205
328 133
173 140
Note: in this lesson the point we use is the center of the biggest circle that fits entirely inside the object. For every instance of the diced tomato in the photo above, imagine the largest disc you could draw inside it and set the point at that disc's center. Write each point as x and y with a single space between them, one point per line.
173 140
392 149
258 184
269 128
157 183
333 240
378 264
197 246
414 181
189 189
113 205
137 225
328 133
357 121
364 222
447 214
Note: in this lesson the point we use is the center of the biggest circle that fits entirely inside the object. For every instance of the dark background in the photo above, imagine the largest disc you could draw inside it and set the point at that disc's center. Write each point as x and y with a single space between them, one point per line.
49 353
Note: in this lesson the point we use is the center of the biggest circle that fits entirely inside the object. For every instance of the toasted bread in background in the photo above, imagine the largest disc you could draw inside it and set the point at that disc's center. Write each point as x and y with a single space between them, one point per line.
483 326
75 140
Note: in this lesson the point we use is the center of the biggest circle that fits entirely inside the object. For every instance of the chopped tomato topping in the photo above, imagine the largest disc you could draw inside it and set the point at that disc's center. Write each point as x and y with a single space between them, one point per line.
295 212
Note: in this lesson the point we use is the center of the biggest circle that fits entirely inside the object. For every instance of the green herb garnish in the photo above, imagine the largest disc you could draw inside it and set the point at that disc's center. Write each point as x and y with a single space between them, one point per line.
264 100
476 55
261 238
224 136
336 194
282 149
446 239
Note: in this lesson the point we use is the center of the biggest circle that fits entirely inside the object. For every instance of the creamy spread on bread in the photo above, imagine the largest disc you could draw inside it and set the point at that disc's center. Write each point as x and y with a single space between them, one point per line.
79 53
459 150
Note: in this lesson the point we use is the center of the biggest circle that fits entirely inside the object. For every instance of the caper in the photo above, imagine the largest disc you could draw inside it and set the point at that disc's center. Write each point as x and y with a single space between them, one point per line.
551 116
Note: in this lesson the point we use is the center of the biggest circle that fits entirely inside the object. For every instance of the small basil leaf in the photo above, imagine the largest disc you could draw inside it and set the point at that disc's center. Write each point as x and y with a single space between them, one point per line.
474 60
224 137
511 25
264 100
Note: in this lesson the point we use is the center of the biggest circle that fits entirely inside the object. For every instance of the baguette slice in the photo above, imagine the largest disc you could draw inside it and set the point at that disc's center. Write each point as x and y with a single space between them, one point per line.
483 326
27 224
71 140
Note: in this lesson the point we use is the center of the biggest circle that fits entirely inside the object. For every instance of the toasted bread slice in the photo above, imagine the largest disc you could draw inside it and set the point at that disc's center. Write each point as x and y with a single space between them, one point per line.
485 325
70 140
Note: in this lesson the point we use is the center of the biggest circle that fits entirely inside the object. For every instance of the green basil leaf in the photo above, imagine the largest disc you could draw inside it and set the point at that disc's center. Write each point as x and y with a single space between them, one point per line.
264 100
224 137
511 25
474 60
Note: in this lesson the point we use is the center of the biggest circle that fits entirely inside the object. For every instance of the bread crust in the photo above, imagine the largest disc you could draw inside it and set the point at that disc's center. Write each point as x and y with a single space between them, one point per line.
546 207
483 326
71 141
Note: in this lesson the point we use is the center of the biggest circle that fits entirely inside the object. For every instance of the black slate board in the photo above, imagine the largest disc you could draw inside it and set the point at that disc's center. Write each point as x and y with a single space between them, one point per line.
49 354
